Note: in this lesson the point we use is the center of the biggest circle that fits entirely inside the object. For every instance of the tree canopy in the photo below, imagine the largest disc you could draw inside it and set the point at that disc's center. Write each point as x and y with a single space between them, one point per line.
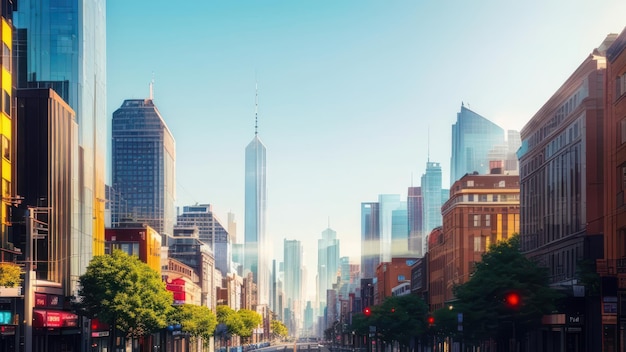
250 320
9 274
229 322
198 321
504 270
121 290
278 329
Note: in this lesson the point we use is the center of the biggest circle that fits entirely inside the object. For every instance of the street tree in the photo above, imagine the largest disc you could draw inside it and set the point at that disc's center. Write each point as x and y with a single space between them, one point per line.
124 292
279 330
10 274
251 320
506 294
198 321
228 323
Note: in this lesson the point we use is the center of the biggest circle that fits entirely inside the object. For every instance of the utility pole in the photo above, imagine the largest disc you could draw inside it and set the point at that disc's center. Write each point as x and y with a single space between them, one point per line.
28 283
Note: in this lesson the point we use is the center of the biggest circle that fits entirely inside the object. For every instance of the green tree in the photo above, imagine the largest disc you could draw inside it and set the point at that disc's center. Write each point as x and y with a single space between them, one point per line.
279 330
250 320
401 318
124 292
504 269
9 274
228 323
198 321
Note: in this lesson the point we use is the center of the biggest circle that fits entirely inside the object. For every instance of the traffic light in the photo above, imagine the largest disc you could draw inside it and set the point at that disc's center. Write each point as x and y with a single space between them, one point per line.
430 320
393 310
367 311
513 300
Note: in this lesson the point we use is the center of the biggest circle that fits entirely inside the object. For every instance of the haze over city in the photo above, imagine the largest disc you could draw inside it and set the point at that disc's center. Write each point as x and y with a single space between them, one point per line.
354 96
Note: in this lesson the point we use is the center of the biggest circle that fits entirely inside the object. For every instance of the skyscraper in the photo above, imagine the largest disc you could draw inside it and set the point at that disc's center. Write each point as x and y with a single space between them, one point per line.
327 265
255 246
473 136
394 231
62 45
210 232
433 199
144 164
292 281
370 239
415 210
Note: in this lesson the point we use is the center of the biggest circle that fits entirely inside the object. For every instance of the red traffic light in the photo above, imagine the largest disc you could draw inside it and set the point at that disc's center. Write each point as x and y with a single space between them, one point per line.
430 320
367 311
512 300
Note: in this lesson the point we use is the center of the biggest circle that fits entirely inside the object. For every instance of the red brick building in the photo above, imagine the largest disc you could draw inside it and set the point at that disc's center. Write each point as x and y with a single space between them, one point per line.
389 275
481 210
613 267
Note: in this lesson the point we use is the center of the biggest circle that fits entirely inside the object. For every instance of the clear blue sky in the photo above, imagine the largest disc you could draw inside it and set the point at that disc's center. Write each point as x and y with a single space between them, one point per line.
348 91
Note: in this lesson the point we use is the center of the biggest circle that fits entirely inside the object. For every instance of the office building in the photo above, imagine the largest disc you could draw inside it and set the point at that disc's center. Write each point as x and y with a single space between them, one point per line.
415 211
370 239
562 191
257 250
210 232
433 197
327 265
482 210
473 136
144 165
394 232
62 45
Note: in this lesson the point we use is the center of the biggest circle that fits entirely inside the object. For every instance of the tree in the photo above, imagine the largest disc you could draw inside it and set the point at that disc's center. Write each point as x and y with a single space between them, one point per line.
124 292
483 299
250 319
198 321
278 329
229 323
9 274
401 318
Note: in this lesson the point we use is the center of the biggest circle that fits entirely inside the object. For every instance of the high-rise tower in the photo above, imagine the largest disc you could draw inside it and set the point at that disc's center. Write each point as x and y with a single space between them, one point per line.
62 45
144 164
255 245
327 265
473 136
433 198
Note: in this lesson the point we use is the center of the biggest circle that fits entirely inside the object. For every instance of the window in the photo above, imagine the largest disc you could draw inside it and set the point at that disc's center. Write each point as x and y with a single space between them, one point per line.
6 188
6 102
476 220
622 125
477 244
6 56
470 197
6 148
482 198
620 86
401 278
487 220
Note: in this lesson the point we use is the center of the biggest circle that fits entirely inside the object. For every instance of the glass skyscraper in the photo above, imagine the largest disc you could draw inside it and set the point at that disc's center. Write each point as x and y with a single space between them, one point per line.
62 45
473 136
256 256
327 265
370 239
394 229
433 198
143 165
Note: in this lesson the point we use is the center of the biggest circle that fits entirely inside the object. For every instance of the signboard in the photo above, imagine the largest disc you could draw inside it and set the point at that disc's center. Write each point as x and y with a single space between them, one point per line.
54 319
6 317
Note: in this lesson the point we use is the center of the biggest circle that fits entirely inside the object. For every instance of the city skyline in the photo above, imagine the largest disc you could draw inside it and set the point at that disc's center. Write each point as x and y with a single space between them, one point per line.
396 89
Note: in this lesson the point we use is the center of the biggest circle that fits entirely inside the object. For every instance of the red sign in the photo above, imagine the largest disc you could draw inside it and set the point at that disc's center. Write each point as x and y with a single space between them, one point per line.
177 287
54 319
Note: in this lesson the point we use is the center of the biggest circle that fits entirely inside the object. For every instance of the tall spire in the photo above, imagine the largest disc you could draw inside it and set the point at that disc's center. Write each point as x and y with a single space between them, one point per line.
256 108
151 97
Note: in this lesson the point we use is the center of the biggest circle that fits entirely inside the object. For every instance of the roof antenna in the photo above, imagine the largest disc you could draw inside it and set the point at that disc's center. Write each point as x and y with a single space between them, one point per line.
256 108
428 148
152 87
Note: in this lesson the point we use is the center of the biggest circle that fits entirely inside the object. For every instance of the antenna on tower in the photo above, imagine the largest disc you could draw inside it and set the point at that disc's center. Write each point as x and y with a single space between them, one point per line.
256 108
152 87
428 147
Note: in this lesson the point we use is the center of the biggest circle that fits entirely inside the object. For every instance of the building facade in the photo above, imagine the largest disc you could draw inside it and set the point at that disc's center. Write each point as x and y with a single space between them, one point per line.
144 165
370 239
327 265
415 211
433 198
210 231
73 36
482 210
292 282
391 274
562 194
257 250
473 136
613 267
394 233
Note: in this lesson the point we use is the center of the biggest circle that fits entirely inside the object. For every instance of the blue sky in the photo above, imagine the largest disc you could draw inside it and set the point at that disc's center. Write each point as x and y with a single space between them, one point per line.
350 91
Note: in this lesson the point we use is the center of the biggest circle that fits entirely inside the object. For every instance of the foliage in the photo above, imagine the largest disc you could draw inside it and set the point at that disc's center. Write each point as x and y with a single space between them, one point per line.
9 274
503 269
250 319
229 322
122 291
588 276
198 321
278 329
398 318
